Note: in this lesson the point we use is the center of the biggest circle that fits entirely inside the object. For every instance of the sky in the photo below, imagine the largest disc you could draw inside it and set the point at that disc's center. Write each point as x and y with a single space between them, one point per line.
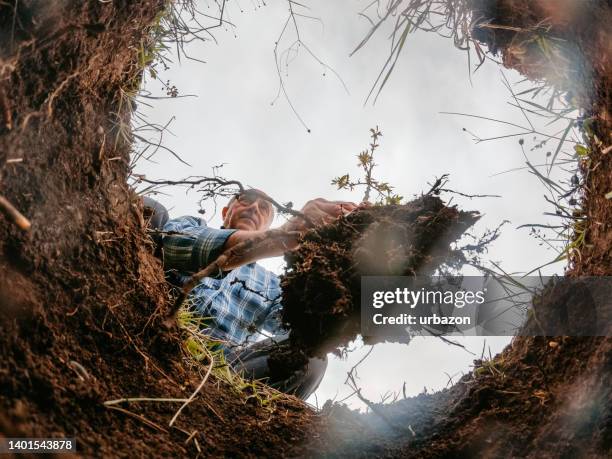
236 119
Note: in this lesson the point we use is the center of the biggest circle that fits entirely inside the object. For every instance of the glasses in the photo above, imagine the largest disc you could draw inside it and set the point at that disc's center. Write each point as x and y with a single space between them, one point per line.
249 197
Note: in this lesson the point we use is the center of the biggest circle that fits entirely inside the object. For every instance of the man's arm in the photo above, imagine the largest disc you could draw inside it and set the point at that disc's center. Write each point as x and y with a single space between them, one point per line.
195 246
190 246
250 246
273 243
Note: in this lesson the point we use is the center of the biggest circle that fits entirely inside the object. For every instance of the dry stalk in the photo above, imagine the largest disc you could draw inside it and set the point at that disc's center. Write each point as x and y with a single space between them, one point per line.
143 399
139 417
14 215
190 399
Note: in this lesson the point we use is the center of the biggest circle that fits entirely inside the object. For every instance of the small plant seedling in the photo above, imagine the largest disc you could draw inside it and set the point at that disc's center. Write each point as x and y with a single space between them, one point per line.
367 164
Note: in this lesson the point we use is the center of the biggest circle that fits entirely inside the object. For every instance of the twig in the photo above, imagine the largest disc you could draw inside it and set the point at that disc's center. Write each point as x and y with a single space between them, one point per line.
375 409
446 190
435 188
283 58
454 343
191 181
354 367
57 91
218 183
79 370
207 405
139 417
284 209
190 399
350 381
14 215
143 399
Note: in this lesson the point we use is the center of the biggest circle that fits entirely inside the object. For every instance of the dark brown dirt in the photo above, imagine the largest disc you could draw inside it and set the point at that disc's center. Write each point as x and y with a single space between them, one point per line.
541 397
322 283
565 43
83 301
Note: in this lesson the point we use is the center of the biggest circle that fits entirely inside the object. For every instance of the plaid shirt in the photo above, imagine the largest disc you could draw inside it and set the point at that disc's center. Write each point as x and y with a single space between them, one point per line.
239 303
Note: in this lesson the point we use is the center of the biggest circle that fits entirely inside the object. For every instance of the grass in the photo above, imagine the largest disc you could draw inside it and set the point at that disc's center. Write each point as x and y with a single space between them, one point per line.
531 44
449 18
200 348
173 28
493 366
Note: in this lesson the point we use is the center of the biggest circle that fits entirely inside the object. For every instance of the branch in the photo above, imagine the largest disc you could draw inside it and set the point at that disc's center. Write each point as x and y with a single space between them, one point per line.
190 399
375 408
435 188
187 181
219 183
469 195
13 214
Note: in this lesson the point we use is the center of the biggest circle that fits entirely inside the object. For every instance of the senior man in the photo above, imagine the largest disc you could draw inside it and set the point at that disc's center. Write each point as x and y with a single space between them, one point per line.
242 302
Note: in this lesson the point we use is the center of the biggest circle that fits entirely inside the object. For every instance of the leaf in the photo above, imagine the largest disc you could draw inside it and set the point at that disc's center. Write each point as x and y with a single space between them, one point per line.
581 150
384 187
341 182
395 199
401 42
563 137
364 158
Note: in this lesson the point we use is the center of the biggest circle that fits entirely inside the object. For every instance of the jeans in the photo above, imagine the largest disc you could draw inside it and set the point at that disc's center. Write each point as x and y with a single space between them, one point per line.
255 362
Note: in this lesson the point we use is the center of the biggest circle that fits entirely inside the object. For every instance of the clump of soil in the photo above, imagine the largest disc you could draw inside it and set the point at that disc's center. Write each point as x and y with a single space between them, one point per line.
572 306
322 283
565 45
563 42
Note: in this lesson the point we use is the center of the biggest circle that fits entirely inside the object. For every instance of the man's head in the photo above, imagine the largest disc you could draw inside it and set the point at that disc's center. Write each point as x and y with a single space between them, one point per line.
248 210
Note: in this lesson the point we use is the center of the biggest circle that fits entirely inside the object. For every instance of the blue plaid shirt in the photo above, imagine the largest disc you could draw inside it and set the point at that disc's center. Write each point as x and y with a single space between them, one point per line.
240 304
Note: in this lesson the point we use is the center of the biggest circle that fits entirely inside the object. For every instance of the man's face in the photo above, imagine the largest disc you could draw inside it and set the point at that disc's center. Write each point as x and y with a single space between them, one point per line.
248 211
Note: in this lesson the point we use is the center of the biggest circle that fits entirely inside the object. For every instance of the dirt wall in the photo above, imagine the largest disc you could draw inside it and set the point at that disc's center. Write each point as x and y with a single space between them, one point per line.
82 298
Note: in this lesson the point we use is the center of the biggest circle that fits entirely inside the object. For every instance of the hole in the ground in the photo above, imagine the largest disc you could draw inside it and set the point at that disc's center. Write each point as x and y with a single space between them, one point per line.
293 149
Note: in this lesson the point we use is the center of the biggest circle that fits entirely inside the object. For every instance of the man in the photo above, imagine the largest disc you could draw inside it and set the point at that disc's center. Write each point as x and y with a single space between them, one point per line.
242 302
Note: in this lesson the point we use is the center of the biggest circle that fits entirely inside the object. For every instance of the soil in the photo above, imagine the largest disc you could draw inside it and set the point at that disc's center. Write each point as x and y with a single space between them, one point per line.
540 397
322 282
564 43
83 300
84 304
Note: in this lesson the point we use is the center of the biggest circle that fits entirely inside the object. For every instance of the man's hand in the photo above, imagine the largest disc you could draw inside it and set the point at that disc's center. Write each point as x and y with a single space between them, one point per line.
319 212
270 244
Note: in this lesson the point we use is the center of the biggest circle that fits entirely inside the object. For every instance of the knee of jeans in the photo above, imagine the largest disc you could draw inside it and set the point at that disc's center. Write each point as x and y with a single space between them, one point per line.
316 368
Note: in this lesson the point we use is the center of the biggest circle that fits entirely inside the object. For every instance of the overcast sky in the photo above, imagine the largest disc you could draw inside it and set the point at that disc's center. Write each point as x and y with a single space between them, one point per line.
232 121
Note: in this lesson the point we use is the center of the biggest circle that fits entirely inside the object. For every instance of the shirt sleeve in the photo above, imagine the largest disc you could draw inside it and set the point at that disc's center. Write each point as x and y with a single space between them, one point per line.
191 245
